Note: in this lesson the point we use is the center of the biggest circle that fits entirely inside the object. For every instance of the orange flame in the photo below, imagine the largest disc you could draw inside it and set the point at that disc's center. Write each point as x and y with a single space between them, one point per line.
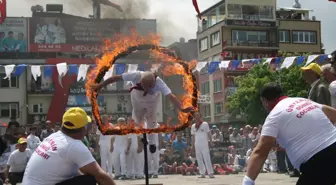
172 66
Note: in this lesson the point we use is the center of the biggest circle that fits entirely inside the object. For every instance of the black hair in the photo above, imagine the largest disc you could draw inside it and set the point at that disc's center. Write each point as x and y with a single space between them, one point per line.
271 91
70 131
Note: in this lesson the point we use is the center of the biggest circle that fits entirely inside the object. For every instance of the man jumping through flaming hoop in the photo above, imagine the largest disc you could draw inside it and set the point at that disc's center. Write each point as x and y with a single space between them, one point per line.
145 97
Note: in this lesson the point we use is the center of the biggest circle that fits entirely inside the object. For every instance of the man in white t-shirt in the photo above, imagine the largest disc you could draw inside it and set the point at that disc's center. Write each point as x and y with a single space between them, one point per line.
201 136
305 129
32 140
104 147
118 149
329 75
17 162
145 97
63 159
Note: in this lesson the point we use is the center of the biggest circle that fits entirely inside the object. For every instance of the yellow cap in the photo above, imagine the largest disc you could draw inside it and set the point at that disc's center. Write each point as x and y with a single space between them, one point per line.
77 116
22 140
314 67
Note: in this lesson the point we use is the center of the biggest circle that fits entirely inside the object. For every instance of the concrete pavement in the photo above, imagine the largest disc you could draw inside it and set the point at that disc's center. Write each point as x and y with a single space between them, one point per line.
263 179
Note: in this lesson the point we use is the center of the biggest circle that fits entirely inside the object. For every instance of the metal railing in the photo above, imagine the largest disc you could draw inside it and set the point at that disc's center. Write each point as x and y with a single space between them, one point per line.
249 43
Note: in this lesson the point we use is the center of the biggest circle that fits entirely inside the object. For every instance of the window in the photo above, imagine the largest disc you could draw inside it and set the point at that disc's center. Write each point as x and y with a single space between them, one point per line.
204 44
121 107
218 85
215 39
248 36
5 83
305 37
265 12
218 108
205 88
250 12
120 85
235 11
37 108
284 36
8 110
205 110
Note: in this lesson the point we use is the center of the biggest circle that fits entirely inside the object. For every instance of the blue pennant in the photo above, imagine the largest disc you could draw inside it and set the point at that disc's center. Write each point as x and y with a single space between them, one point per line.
235 63
19 69
141 67
120 68
213 67
300 60
278 60
73 69
322 58
48 70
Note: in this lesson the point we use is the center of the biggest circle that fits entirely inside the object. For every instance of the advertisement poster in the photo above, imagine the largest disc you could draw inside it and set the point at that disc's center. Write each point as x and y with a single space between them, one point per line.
13 35
64 34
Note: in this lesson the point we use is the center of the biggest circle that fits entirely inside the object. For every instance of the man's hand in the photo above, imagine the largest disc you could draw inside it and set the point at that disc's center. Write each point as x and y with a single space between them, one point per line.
188 109
139 149
96 87
127 151
111 149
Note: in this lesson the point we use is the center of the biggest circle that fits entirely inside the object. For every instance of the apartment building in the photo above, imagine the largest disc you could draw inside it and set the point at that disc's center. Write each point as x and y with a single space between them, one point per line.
238 29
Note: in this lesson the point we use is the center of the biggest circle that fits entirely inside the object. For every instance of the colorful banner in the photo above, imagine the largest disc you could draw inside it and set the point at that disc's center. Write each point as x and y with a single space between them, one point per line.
64 34
13 35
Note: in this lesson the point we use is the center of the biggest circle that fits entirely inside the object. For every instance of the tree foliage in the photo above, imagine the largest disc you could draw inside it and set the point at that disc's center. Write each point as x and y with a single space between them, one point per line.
246 100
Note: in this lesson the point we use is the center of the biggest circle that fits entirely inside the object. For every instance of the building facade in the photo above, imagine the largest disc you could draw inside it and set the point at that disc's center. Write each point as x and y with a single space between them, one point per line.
237 30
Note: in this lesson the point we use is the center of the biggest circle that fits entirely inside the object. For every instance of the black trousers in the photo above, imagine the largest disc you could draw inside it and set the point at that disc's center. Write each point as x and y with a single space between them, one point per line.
320 169
281 156
80 180
15 178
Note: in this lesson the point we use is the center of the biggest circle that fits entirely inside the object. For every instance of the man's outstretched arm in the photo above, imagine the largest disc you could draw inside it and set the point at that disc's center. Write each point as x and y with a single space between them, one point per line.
110 80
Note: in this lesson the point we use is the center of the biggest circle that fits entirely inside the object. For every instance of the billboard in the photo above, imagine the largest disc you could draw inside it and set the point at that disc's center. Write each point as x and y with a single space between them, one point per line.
13 35
70 34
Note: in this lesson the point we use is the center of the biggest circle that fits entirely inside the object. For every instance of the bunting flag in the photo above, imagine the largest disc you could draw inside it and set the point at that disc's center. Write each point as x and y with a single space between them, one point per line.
82 69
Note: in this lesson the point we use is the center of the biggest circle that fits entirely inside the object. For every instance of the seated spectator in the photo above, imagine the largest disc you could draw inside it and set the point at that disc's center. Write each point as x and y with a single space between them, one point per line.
235 138
179 145
17 163
271 161
234 160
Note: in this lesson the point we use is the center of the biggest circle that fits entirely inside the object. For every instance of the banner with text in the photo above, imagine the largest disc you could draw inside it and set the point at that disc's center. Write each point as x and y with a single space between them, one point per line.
13 35
64 34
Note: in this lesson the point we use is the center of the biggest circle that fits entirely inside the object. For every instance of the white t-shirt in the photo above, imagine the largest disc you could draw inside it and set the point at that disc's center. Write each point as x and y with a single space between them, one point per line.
18 160
201 135
160 85
332 90
300 127
120 142
33 142
56 159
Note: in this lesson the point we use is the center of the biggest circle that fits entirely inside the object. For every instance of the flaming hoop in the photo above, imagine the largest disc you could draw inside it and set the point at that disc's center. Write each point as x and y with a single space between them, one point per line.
124 46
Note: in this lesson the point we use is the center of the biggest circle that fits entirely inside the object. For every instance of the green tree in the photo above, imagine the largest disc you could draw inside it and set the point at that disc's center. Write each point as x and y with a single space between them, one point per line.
246 99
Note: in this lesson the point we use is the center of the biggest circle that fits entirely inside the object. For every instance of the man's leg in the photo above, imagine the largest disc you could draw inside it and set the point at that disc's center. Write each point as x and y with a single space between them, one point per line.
103 156
150 117
116 163
82 180
281 158
200 162
110 163
122 161
130 164
139 165
207 161
150 163
156 159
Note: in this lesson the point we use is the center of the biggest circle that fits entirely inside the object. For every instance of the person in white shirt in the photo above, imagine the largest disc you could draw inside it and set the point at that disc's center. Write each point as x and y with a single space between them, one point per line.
63 159
201 135
32 140
329 75
118 149
145 97
105 147
17 162
305 129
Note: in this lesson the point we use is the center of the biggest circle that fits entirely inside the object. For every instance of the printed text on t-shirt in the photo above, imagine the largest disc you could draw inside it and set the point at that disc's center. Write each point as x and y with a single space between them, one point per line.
47 145
302 105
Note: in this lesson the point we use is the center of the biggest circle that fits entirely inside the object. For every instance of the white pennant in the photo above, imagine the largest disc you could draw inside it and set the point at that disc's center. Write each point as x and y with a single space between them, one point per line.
35 71
268 61
132 68
82 71
224 64
200 66
311 58
109 73
8 70
287 62
62 69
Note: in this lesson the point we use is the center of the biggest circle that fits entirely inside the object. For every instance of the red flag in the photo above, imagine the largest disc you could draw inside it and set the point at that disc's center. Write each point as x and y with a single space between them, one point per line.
109 3
196 8
3 12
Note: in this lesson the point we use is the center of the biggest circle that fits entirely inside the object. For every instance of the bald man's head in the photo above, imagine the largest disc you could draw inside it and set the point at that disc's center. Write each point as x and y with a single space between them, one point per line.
147 80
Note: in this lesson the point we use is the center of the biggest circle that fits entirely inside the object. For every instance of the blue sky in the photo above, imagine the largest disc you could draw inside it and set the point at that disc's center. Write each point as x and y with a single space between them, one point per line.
177 17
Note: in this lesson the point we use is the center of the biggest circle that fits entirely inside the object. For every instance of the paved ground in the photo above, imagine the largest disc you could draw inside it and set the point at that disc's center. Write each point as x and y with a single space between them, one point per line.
263 179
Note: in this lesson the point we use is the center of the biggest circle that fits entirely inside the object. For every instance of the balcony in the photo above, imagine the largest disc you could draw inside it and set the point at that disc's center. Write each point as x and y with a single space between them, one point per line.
251 45
49 90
